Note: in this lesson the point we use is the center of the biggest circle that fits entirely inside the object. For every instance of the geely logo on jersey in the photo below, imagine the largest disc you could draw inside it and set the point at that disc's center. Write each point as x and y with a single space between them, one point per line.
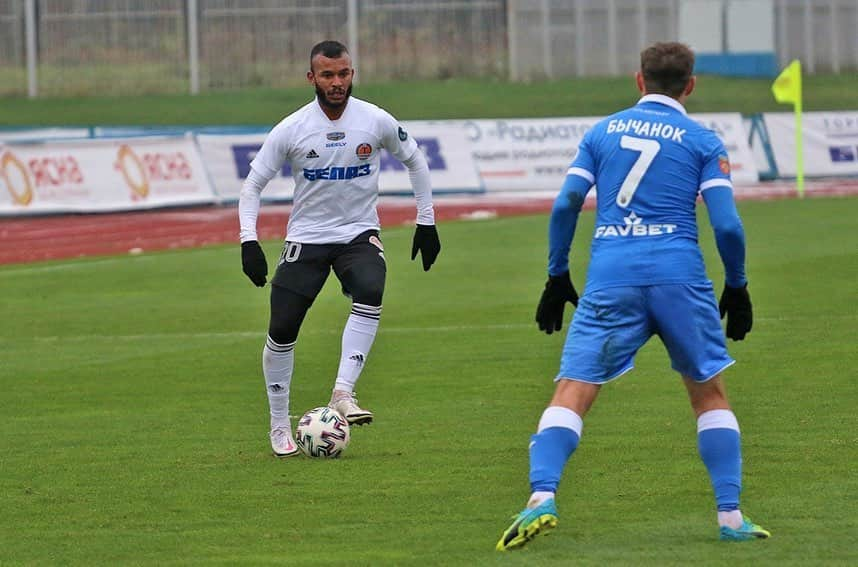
334 173
633 225
335 136
363 151
335 144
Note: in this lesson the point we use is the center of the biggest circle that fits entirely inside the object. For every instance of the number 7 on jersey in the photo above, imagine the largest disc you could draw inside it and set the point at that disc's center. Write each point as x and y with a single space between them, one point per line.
648 150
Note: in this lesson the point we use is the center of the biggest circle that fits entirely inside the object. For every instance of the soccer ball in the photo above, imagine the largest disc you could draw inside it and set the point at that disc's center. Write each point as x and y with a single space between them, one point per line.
322 432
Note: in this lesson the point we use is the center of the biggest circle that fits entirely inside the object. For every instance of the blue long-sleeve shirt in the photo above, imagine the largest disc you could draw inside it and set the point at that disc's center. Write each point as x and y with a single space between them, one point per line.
649 164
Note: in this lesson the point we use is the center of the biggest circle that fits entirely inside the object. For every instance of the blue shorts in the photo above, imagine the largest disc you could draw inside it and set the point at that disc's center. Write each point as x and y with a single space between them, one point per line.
611 325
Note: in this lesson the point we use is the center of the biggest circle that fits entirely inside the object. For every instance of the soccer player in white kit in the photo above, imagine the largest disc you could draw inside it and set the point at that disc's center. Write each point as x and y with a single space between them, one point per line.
333 146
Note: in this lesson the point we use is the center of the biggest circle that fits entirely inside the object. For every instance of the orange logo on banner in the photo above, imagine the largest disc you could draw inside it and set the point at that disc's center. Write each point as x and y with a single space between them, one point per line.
24 197
129 164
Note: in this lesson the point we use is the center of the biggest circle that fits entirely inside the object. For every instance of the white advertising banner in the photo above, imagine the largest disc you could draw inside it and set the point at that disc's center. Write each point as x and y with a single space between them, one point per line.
445 146
525 154
99 175
534 154
830 141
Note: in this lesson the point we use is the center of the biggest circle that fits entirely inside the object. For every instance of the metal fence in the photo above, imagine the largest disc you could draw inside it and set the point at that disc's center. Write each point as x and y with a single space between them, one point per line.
556 38
79 47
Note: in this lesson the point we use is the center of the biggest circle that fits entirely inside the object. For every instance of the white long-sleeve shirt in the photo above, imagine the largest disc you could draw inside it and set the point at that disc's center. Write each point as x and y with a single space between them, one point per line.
335 165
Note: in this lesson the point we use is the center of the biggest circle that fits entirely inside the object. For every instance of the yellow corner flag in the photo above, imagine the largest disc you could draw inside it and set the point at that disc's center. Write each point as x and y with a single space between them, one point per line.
787 87
787 90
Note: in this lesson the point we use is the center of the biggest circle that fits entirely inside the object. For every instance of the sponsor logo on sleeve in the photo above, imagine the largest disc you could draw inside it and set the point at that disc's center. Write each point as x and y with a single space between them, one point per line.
724 164
403 135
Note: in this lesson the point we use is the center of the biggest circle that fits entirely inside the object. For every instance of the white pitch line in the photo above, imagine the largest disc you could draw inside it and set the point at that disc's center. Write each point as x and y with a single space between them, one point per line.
85 263
337 331
261 334
36 269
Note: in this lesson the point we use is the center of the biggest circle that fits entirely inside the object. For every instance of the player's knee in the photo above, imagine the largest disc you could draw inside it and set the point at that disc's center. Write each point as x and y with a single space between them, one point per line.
283 332
368 297
287 313
284 325
368 291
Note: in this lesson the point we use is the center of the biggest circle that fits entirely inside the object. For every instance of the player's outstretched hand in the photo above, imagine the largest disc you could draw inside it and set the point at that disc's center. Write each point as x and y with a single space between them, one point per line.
558 290
253 262
736 305
427 242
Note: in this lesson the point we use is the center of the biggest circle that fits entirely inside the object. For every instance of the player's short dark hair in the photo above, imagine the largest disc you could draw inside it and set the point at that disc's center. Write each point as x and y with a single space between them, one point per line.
328 48
667 67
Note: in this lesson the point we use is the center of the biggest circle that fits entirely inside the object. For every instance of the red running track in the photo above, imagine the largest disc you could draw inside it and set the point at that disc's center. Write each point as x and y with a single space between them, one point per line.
30 239
37 238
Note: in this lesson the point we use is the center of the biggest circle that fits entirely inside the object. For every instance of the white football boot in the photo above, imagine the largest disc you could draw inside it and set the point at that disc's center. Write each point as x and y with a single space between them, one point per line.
346 404
282 442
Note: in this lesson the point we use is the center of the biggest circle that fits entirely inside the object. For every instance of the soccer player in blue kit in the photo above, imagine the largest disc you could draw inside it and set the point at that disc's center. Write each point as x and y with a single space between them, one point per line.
646 277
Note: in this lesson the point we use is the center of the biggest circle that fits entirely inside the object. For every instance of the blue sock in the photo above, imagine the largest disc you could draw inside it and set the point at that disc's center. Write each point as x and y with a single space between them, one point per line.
549 451
720 449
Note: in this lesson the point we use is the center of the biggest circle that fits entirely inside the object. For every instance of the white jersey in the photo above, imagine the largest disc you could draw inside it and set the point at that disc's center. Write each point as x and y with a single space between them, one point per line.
335 164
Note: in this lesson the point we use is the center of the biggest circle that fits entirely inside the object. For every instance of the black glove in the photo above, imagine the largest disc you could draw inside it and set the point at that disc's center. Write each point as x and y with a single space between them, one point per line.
736 304
549 313
426 241
253 262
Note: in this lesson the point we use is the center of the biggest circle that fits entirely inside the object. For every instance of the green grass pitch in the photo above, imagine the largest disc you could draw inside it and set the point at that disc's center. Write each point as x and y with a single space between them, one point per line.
134 419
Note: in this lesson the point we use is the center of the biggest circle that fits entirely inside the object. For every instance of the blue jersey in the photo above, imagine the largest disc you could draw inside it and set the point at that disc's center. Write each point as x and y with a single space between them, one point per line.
649 163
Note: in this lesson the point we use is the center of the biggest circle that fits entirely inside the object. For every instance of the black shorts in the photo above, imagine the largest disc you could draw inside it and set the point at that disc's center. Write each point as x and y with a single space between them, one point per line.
359 265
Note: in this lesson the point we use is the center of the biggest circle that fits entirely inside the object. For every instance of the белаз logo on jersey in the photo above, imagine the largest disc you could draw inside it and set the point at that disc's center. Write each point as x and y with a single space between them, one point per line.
334 173
364 151
633 225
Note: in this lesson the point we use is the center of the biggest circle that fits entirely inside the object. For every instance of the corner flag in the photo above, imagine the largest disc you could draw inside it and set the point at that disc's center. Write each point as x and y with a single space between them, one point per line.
787 90
787 87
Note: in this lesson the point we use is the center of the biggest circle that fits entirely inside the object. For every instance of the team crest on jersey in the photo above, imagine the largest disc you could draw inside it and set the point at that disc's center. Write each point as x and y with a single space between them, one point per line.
375 241
334 136
364 151
403 135
724 164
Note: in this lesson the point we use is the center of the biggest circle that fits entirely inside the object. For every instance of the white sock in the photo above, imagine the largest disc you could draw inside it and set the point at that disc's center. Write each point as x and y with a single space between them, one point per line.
358 337
277 364
538 498
732 519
